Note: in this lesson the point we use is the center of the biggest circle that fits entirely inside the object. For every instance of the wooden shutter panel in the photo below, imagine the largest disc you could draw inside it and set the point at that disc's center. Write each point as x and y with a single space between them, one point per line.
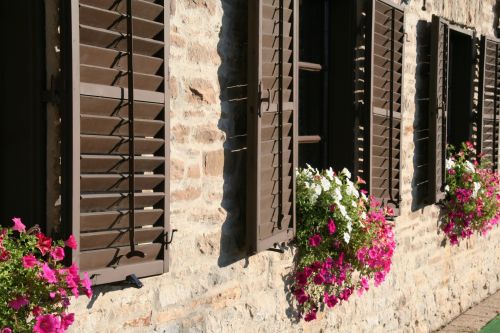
489 107
384 84
438 107
117 129
272 122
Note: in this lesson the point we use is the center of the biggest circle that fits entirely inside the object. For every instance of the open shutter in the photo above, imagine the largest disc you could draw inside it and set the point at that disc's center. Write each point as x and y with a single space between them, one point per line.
272 122
489 109
116 125
384 84
438 107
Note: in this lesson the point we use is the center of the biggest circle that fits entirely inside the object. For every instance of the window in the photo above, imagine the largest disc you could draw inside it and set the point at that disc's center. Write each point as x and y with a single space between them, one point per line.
115 139
451 119
344 110
22 115
350 90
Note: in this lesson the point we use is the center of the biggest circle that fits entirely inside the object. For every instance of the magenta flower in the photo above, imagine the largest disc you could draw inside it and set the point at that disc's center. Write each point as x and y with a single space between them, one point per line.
47 324
315 240
331 226
67 320
71 242
6 330
301 296
310 316
18 225
87 284
330 300
319 279
29 261
48 274
44 243
18 303
57 253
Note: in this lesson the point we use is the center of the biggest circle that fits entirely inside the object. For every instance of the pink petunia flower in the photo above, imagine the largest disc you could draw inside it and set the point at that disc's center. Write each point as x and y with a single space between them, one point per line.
18 225
310 316
29 261
71 242
315 240
44 243
48 274
57 253
331 226
67 320
87 284
18 303
47 324
6 330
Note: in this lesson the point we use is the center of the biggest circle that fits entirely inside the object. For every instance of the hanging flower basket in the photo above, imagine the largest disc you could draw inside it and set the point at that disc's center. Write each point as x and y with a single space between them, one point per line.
343 237
35 287
472 201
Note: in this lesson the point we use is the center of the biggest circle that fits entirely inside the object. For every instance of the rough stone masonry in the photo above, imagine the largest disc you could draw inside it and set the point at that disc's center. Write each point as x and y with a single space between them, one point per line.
212 286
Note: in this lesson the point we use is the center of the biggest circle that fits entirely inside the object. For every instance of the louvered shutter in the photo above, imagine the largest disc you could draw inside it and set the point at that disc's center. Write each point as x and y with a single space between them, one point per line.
384 84
116 122
438 107
489 109
271 122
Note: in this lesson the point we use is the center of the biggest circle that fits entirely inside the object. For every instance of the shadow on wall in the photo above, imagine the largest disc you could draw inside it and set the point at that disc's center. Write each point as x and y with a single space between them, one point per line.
496 21
232 75
420 181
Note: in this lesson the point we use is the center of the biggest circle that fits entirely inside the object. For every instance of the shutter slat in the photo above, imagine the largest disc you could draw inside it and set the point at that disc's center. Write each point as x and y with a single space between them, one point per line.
118 219
106 239
118 183
97 144
101 202
114 256
119 126
108 58
143 9
118 164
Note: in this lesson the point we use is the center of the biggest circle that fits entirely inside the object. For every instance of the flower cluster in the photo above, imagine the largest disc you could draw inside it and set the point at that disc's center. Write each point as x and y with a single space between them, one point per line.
343 237
472 199
35 287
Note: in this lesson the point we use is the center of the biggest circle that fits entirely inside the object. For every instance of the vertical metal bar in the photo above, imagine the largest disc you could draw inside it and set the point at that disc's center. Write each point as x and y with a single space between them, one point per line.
280 117
131 161
391 107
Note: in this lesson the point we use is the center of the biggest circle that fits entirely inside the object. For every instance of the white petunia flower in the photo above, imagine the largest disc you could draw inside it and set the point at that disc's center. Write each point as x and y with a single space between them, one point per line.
469 166
347 237
477 187
449 163
330 174
346 173
447 188
349 227
363 216
325 184
354 204
337 194
317 189
338 181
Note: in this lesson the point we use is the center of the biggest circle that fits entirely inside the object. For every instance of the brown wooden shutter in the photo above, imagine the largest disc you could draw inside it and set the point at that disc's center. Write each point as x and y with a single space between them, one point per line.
489 104
384 84
272 122
117 126
438 107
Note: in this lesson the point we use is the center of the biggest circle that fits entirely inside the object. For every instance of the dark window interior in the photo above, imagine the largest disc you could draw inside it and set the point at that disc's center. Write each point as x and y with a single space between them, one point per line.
326 112
22 112
460 88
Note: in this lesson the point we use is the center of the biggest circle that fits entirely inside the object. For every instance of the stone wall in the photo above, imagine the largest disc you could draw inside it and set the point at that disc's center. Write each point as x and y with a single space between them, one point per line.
212 285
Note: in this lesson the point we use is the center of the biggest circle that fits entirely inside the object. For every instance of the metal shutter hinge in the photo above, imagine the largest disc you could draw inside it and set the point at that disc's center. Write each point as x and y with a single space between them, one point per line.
134 280
167 241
